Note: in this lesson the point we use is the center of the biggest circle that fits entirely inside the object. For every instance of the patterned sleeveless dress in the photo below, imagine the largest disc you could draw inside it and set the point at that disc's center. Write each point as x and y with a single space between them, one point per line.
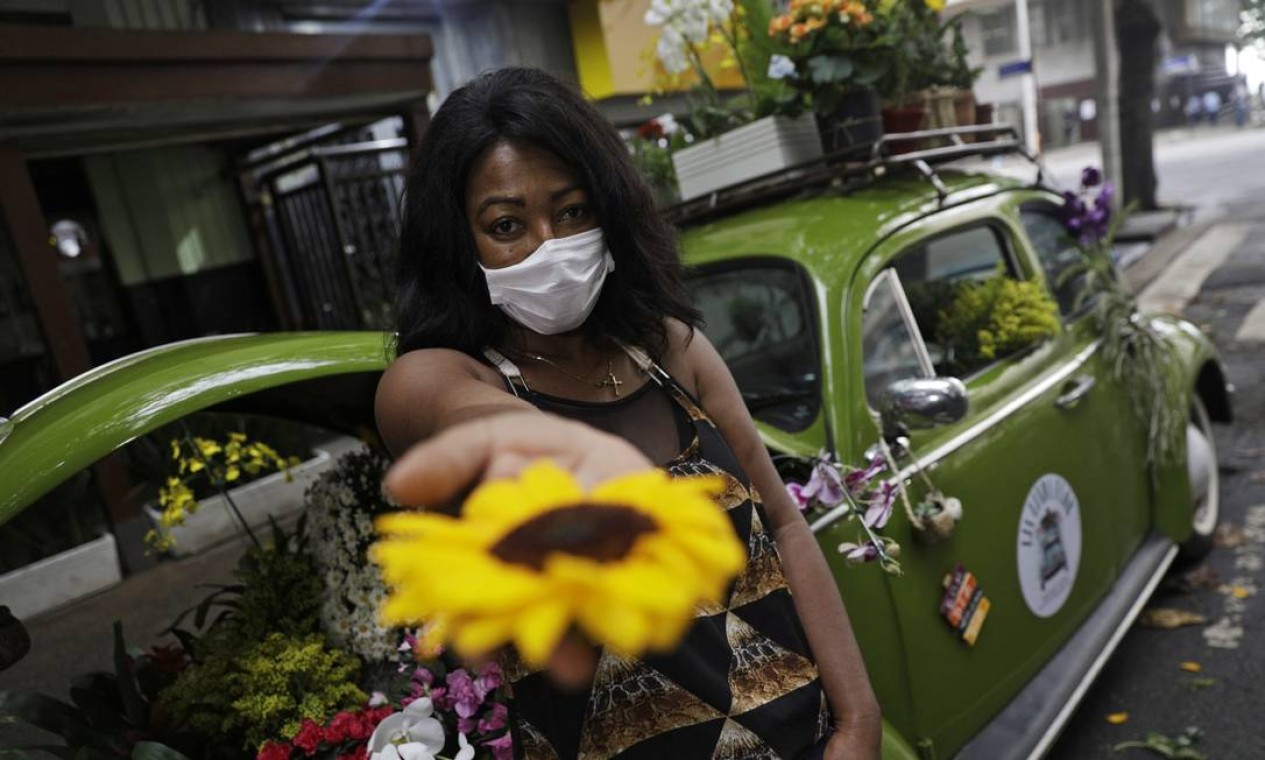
743 684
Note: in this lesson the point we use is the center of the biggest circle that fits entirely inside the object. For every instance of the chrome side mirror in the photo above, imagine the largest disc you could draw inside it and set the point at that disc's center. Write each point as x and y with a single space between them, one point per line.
920 403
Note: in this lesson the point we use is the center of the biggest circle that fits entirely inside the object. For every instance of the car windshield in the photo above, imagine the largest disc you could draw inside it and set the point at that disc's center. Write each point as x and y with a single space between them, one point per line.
758 315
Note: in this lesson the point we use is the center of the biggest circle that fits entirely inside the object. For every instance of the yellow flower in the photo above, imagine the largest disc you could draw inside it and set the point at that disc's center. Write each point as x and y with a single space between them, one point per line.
627 563
935 5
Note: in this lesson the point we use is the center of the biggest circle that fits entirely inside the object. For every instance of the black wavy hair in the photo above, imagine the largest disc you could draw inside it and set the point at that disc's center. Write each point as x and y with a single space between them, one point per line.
441 295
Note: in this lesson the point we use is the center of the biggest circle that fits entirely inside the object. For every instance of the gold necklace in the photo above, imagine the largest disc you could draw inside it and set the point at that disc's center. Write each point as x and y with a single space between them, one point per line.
607 381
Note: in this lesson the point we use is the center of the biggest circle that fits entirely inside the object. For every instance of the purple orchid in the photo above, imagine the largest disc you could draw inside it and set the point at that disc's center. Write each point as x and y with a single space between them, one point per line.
865 552
796 490
826 483
1086 216
859 479
880 509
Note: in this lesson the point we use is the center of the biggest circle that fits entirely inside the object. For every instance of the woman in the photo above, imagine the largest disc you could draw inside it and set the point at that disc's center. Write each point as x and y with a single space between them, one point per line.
541 313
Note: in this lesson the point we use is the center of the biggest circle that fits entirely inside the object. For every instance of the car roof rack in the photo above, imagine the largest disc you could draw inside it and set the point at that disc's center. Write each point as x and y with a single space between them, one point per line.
859 165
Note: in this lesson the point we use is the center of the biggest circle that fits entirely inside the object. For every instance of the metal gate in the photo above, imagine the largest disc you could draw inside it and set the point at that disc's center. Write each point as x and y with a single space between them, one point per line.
332 219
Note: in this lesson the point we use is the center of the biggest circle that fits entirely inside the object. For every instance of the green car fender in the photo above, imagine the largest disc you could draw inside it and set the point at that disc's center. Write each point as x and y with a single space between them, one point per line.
1201 376
325 377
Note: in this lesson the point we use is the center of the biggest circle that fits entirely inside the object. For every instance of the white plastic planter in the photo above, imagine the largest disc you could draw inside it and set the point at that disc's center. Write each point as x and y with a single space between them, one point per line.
270 496
61 578
763 146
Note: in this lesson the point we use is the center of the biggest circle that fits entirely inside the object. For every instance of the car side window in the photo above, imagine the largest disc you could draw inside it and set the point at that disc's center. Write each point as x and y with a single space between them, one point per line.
759 317
1060 257
890 342
948 281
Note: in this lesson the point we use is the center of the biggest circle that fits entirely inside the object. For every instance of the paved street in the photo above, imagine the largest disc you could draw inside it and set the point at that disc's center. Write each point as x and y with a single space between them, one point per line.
1225 175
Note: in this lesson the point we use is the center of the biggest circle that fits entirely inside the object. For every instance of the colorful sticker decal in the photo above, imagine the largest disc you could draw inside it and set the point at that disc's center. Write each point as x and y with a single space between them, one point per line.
964 605
1048 547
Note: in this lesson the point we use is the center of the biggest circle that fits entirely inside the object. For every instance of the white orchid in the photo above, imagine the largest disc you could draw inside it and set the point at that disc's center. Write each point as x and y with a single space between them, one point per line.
411 734
685 22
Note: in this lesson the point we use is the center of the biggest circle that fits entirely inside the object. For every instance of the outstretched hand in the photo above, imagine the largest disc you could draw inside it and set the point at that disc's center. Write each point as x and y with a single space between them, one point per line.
447 466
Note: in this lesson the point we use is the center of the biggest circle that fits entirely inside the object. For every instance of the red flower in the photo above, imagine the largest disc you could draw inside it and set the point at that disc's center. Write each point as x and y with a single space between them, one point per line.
309 736
651 130
344 726
274 751
169 658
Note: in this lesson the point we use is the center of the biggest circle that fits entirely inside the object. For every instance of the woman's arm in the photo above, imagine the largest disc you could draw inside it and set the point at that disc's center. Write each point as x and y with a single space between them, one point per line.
816 595
427 391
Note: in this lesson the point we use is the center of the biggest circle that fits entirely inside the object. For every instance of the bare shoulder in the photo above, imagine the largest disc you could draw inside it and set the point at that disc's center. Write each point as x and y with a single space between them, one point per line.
425 390
691 358
418 370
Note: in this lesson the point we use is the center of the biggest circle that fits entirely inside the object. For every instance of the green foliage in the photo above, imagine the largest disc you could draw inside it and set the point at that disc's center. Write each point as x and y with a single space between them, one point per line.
276 606
1180 747
281 681
995 318
960 73
1139 356
106 714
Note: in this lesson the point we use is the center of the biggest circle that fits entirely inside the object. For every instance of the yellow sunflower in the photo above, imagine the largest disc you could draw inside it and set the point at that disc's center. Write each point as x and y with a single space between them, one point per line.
626 563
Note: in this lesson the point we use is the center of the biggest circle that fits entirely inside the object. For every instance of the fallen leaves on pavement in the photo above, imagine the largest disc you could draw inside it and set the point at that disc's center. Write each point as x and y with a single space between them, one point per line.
1228 536
1197 684
1116 719
1169 617
1202 578
1191 667
1181 747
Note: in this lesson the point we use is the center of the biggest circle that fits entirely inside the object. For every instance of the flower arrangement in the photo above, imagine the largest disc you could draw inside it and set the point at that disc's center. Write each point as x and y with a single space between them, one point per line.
994 318
264 668
831 47
340 507
859 493
207 465
1137 353
626 563
688 30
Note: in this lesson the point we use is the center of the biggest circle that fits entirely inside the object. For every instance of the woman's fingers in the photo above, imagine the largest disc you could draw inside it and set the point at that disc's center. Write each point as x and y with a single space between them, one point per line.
573 664
499 446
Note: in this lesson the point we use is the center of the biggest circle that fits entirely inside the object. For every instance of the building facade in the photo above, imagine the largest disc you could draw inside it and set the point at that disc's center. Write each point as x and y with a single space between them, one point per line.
1192 59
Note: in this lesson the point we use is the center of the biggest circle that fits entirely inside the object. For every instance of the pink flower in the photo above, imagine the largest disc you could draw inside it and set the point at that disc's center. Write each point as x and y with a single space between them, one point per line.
489 680
462 694
309 736
274 751
502 747
467 725
439 695
423 676
495 719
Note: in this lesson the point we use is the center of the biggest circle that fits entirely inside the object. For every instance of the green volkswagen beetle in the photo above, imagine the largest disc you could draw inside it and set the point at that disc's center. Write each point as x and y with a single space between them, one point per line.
830 302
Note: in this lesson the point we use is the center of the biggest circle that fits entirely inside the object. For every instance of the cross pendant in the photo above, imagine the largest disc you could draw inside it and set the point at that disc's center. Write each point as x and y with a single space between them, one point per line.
610 381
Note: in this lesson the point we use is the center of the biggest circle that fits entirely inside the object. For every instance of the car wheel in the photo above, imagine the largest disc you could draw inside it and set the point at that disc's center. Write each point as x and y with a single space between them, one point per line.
1205 482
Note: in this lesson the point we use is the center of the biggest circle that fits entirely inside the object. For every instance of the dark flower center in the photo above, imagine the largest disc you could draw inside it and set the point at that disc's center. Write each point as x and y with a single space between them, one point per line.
598 531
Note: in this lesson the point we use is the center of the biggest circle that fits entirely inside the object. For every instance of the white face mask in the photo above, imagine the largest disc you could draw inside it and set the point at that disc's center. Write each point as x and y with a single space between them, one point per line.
555 288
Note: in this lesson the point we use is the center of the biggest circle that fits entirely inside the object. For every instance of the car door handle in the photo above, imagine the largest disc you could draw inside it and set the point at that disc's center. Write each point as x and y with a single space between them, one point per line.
1077 389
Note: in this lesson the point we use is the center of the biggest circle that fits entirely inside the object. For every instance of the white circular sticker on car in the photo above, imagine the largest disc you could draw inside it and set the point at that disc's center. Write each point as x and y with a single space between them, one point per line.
1048 549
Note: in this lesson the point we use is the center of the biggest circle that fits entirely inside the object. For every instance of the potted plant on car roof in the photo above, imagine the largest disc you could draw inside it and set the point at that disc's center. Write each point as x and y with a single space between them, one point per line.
735 138
833 53
918 61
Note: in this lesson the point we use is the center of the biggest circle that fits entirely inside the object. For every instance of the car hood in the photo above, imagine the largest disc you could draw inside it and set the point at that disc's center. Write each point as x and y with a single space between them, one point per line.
325 377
